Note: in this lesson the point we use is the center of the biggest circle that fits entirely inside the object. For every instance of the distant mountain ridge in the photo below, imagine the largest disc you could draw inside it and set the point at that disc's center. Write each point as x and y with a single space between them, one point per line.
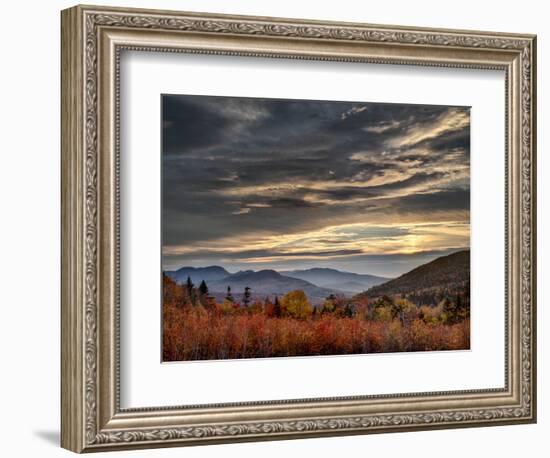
317 283
336 279
268 283
197 274
262 283
449 273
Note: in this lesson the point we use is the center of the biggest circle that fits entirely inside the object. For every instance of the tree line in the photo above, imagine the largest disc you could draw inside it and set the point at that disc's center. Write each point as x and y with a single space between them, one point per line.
451 307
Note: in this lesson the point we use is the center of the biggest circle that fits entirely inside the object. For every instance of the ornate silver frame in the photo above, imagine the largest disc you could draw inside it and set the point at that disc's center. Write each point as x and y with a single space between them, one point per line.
92 39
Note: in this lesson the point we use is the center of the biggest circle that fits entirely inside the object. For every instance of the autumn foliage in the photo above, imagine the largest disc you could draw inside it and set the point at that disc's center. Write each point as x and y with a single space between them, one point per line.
197 327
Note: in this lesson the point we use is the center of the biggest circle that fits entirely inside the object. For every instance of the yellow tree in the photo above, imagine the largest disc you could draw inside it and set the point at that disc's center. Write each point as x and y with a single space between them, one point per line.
329 304
296 304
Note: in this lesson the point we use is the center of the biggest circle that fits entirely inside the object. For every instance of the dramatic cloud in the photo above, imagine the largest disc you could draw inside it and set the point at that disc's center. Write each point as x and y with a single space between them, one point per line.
265 183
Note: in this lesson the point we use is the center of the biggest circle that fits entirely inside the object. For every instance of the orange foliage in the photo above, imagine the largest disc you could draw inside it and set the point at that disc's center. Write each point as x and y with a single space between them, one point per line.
200 334
195 327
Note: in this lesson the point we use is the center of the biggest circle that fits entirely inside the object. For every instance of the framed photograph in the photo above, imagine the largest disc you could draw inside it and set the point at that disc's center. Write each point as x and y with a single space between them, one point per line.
278 228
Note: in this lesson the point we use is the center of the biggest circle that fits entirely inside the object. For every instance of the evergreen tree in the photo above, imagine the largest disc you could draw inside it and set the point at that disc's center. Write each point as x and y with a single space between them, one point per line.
189 285
229 296
191 293
246 297
276 307
203 288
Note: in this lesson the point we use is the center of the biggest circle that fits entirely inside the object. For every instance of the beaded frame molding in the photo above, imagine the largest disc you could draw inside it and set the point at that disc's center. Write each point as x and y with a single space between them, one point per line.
92 41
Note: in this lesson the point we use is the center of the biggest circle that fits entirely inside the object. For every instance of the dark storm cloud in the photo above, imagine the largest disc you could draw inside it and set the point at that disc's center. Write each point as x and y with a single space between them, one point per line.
262 254
459 139
289 202
239 167
456 199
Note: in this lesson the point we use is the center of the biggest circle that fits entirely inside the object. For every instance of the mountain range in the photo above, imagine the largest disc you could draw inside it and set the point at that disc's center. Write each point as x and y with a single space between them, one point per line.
198 274
447 274
337 279
317 283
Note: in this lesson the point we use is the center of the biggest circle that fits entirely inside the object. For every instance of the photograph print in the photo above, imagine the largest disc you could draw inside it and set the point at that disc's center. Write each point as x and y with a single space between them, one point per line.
310 228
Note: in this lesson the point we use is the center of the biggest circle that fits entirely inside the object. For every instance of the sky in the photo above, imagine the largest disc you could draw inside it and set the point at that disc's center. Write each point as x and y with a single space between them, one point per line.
254 183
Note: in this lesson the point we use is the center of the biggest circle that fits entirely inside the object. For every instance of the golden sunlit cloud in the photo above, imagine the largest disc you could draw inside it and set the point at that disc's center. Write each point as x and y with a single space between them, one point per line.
382 127
241 211
450 121
334 241
314 191
353 111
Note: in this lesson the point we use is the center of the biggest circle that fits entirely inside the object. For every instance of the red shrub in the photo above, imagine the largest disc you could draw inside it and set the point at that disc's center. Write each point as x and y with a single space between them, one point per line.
196 333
